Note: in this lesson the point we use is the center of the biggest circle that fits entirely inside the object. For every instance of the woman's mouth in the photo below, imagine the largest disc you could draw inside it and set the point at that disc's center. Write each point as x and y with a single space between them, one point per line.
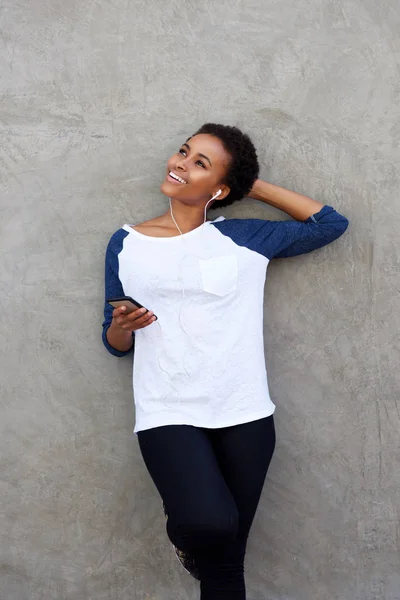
174 178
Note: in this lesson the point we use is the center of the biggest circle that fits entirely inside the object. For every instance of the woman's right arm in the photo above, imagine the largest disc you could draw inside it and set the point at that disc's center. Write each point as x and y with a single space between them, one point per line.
118 327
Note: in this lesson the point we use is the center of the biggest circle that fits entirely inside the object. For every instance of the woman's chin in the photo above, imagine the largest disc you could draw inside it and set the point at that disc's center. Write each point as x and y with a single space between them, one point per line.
169 189
165 188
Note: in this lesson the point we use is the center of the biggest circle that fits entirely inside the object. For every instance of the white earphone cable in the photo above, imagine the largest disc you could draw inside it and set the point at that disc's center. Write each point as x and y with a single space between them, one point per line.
184 372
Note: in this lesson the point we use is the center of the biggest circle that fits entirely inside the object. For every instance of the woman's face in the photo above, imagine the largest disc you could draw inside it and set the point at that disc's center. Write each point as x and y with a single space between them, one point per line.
195 172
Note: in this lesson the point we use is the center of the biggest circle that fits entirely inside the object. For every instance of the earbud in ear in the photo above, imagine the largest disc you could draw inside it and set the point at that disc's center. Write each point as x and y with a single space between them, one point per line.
217 194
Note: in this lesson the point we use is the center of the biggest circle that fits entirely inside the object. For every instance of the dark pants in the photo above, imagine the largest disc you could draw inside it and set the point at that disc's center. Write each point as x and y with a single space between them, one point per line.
210 481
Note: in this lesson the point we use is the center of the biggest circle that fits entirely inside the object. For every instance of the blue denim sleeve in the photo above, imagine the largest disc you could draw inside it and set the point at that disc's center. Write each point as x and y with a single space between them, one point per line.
113 287
281 239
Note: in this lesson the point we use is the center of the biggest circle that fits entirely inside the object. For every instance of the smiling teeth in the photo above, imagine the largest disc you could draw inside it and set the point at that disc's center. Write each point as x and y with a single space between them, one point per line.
176 177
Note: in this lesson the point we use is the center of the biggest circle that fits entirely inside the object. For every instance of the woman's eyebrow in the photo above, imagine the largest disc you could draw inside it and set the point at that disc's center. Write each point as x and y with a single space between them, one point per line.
202 155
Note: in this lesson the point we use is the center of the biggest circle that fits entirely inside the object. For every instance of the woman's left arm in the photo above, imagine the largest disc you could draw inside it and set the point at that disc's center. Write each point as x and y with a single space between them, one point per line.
313 225
296 205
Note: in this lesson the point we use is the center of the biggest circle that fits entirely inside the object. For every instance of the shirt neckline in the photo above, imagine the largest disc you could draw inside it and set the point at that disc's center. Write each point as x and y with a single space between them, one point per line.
153 238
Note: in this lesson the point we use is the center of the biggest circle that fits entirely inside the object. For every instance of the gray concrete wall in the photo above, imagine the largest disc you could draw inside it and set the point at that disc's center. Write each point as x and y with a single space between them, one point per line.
95 97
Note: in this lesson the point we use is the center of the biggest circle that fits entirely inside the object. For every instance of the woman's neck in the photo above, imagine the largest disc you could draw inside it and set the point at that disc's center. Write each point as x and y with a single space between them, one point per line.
187 217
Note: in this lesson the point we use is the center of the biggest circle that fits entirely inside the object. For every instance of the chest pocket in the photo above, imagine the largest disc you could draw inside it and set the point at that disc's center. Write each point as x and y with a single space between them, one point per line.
219 274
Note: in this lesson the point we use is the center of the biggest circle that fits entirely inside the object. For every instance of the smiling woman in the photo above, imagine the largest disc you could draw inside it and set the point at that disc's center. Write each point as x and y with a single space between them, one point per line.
216 157
196 173
204 416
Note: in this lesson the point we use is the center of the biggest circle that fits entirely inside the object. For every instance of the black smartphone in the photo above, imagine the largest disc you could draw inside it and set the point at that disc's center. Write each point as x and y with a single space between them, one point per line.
127 301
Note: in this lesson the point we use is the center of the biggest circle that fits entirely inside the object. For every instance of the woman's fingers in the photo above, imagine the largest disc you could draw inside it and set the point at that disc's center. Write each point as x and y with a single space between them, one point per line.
121 311
149 320
121 317
135 320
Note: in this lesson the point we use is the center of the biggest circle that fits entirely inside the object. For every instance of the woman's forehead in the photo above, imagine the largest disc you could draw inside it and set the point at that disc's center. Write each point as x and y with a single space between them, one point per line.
209 145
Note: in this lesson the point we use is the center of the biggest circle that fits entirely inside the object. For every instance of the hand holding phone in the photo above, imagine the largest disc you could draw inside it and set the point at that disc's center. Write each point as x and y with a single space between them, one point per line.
129 314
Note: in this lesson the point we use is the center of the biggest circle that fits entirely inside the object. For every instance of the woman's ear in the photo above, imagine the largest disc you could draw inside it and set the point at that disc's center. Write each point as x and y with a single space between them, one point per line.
221 192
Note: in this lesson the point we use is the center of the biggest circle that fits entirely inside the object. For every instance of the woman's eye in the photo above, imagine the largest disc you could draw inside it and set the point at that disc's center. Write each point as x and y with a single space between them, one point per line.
198 162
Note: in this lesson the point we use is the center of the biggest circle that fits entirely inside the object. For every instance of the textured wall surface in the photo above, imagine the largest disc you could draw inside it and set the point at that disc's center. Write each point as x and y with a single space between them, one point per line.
94 98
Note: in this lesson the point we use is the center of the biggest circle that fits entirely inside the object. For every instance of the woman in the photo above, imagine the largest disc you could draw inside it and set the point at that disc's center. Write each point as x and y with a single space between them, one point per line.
204 417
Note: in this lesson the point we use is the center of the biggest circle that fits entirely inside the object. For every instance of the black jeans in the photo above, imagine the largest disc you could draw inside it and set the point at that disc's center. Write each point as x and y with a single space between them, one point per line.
210 481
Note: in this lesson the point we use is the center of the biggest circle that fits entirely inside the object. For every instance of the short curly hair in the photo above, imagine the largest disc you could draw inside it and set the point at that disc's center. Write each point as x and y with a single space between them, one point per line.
243 169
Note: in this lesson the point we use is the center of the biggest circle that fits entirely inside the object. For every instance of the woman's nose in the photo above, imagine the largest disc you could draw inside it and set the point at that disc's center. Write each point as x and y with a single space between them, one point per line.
181 164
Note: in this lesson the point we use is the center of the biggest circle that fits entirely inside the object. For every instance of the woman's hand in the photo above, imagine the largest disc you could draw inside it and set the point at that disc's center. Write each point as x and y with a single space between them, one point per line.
119 334
138 319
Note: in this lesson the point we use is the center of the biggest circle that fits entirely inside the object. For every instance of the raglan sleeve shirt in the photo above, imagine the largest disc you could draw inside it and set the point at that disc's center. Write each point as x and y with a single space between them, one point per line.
187 380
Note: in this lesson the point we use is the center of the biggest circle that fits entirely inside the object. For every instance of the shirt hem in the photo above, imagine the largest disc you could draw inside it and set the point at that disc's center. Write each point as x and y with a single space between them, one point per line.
179 420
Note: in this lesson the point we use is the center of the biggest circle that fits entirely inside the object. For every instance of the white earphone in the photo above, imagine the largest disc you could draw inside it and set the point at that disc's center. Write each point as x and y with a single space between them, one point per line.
216 195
